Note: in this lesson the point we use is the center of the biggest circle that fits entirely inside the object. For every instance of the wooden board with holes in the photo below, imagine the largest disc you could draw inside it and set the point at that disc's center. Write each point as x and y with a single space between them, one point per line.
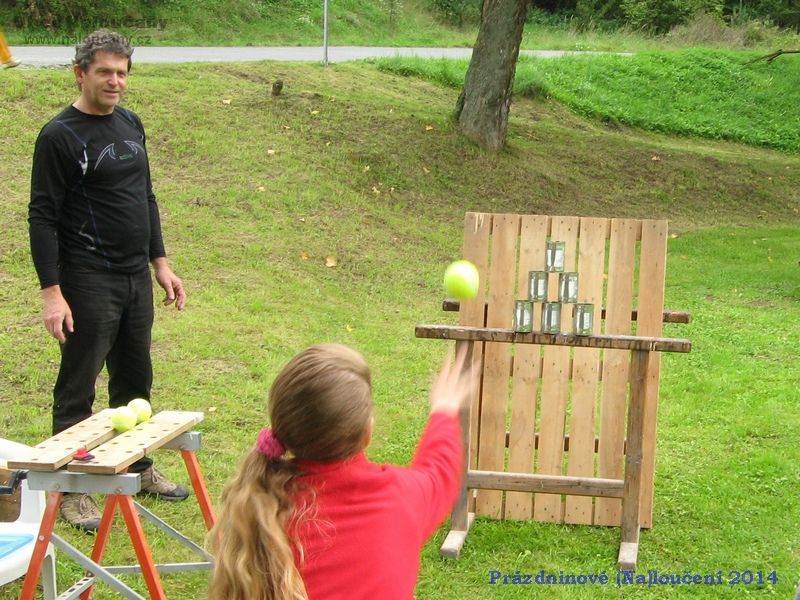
55 452
118 454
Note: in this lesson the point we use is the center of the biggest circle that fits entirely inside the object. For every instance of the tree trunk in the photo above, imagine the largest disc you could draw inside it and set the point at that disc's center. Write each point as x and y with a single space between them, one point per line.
483 105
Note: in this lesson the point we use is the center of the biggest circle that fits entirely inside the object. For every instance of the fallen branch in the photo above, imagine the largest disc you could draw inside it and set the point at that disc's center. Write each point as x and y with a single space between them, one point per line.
774 55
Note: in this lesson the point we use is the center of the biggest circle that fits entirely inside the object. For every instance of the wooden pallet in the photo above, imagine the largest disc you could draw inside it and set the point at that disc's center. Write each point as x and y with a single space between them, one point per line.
553 416
113 451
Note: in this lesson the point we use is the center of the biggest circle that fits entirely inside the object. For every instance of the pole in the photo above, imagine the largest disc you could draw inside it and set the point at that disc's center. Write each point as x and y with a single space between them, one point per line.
325 34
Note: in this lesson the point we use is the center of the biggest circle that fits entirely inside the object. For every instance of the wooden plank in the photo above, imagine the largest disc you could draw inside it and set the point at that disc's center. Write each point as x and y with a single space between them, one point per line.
546 484
55 452
633 460
119 453
477 229
497 334
555 383
525 374
668 316
624 233
497 358
652 274
586 370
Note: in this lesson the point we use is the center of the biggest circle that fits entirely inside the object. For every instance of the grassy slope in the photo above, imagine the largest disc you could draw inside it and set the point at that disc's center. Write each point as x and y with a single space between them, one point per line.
358 174
706 93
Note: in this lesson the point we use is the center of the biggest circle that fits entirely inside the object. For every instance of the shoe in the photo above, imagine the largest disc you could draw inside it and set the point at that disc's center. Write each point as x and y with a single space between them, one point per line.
11 64
81 511
154 483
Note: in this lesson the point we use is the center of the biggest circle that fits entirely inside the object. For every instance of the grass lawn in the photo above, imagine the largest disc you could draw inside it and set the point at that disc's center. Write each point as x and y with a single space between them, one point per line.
258 193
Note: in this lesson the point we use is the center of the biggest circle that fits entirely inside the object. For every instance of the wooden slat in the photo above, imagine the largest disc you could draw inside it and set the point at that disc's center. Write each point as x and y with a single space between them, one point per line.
55 452
624 234
496 334
585 370
525 377
119 453
477 228
497 357
546 484
555 384
652 273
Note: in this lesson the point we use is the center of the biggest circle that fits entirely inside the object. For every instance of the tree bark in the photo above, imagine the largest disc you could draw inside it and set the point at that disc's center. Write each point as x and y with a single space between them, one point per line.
483 106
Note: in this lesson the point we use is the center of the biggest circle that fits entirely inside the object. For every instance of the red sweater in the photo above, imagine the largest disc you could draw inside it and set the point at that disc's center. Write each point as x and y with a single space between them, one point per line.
369 522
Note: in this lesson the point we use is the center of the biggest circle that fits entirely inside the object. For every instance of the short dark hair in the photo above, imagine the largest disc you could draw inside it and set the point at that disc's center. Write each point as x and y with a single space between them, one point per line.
101 40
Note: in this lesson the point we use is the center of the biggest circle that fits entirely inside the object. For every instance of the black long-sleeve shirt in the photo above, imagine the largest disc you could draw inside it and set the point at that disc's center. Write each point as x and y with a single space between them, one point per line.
92 204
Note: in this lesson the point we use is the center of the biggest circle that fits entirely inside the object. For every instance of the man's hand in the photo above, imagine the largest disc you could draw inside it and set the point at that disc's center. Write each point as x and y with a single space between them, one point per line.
56 313
454 385
171 283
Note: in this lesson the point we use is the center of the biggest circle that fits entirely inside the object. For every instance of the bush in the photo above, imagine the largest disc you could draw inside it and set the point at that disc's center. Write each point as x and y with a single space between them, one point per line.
662 15
782 13
71 14
458 11
709 30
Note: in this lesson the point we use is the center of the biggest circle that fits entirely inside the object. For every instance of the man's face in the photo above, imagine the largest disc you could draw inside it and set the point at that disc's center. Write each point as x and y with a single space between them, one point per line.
103 84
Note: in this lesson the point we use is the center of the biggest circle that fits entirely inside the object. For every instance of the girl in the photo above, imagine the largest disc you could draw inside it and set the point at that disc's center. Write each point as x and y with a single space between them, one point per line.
307 516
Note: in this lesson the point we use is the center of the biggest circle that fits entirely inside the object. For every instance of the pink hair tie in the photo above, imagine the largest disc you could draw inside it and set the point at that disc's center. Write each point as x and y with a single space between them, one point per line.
269 445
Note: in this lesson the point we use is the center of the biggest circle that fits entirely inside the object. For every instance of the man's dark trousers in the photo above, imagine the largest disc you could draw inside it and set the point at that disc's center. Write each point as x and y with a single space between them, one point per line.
113 318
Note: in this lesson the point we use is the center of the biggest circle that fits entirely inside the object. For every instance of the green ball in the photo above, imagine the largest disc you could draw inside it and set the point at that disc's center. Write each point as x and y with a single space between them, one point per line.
461 280
123 419
142 409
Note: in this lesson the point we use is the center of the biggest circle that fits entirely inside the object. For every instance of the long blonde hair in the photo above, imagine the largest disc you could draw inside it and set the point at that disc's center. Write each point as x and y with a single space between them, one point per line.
320 408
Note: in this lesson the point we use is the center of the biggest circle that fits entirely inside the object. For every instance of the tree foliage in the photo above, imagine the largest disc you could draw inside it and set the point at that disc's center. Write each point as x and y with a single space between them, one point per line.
651 15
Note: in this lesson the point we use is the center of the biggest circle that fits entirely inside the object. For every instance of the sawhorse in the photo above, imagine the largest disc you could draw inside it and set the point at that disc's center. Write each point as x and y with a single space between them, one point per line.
105 474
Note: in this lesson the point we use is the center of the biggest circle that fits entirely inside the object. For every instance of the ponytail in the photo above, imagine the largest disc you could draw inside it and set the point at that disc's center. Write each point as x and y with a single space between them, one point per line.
320 410
254 557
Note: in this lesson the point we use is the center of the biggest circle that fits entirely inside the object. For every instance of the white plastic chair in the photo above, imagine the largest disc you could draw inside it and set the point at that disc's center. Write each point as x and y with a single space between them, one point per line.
17 538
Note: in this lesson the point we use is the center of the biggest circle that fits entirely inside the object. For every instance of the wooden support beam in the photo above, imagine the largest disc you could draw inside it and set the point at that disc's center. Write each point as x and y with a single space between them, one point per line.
545 484
494 334
629 544
451 547
628 555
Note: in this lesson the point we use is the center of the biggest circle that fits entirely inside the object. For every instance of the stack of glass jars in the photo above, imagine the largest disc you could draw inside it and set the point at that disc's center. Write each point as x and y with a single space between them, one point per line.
582 313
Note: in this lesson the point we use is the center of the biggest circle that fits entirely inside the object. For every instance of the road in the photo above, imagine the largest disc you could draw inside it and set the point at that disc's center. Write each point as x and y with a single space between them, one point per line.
56 56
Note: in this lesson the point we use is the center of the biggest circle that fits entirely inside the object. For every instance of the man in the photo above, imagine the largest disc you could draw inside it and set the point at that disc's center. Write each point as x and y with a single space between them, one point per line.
94 227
